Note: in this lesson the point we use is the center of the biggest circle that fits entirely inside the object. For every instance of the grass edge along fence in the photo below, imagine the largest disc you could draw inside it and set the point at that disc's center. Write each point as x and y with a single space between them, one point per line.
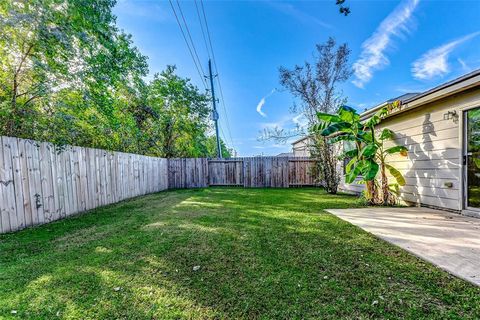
41 182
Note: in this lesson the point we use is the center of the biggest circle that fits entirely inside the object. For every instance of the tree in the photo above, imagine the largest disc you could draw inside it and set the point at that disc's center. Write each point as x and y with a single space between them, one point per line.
183 115
66 71
68 75
316 85
369 156
341 8
211 144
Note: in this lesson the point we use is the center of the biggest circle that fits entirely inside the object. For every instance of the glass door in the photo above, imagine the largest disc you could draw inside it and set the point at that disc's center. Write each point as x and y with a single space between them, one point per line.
471 158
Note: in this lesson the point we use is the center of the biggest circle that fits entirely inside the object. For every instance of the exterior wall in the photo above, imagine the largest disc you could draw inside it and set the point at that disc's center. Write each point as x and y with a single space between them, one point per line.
434 151
301 148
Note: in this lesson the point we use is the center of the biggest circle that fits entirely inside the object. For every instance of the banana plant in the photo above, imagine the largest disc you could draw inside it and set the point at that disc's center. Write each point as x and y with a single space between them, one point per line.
369 156
389 191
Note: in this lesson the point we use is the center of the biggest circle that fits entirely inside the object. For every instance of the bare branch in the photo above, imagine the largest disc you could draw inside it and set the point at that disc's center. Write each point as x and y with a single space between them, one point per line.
316 86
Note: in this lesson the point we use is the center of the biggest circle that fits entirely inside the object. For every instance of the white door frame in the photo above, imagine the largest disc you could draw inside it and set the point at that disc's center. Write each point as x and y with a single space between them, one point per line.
471 211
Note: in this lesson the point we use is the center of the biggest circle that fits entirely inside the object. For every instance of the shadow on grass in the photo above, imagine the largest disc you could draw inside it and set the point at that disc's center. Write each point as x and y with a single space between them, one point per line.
260 253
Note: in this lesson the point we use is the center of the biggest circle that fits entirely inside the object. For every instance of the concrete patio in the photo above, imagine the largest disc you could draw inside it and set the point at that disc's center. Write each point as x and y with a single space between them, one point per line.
448 240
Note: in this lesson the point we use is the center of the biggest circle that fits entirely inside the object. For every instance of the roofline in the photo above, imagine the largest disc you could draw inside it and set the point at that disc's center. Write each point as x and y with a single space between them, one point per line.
300 139
459 84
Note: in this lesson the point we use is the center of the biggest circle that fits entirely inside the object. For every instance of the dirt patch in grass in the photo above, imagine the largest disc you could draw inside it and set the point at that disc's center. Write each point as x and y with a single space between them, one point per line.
79 237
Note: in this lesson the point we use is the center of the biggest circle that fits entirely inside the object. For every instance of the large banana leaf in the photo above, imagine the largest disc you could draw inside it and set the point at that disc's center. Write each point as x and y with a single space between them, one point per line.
386 134
328 117
353 173
336 127
369 150
396 174
349 165
347 108
348 154
369 170
348 114
343 137
373 121
365 136
397 149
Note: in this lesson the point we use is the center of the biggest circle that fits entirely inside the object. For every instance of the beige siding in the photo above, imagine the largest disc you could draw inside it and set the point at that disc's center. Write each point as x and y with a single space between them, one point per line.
301 148
434 151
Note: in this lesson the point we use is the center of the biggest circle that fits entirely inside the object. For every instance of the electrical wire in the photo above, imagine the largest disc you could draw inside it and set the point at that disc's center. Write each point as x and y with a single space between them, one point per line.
203 31
201 74
190 37
194 54
216 68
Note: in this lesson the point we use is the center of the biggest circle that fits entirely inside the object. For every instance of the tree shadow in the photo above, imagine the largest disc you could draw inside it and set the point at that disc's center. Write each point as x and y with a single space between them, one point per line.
424 176
260 253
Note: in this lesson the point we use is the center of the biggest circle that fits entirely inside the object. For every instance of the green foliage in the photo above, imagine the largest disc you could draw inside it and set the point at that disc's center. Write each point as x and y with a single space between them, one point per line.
368 158
369 169
397 149
211 145
395 173
386 134
348 154
179 130
69 75
326 117
369 150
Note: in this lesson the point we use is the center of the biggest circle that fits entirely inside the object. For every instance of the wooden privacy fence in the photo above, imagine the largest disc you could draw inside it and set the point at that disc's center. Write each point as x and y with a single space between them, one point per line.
249 172
40 182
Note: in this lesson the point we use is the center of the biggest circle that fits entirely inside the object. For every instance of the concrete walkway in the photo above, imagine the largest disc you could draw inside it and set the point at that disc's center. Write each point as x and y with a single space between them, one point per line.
450 241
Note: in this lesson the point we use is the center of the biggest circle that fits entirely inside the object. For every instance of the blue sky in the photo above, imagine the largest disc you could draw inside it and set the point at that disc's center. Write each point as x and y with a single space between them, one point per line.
397 47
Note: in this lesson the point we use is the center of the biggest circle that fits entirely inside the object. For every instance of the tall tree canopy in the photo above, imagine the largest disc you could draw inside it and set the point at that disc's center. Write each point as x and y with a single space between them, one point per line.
69 75
316 85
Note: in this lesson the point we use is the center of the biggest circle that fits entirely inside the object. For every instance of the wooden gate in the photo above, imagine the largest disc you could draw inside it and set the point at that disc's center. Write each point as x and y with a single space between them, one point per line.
184 173
258 172
301 172
248 172
226 172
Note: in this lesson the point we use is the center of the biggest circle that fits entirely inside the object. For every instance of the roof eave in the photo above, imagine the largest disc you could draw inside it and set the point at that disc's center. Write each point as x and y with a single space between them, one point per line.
460 84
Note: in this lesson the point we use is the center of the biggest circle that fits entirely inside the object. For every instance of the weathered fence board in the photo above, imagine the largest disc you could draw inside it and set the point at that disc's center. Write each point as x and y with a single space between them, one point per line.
301 172
225 172
187 173
254 172
249 172
40 183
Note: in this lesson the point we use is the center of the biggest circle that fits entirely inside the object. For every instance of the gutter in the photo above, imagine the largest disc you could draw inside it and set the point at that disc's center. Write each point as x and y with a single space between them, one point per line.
470 80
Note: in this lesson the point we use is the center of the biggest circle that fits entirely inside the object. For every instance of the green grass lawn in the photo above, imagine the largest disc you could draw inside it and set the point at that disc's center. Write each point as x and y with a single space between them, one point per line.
261 253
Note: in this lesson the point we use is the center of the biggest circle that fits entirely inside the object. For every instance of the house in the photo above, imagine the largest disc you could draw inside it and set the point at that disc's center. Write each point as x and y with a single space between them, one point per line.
301 147
441 129
285 154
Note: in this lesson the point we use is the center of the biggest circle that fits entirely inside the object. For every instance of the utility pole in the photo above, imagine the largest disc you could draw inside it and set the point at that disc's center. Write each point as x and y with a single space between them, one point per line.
214 111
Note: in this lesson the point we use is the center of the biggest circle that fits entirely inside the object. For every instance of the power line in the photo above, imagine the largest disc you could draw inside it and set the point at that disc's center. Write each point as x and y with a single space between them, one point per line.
194 54
190 36
214 111
214 62
216 68
223 134
224 109
201 27
201 74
